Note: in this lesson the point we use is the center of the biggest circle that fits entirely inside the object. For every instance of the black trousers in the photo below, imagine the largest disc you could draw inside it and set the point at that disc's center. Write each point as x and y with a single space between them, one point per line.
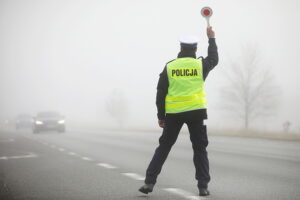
198 137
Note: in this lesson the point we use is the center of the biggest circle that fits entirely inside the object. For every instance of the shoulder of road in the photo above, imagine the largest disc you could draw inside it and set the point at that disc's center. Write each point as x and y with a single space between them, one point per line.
240 133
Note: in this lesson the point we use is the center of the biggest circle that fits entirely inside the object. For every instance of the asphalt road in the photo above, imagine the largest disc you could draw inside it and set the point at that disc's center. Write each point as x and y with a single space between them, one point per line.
108 165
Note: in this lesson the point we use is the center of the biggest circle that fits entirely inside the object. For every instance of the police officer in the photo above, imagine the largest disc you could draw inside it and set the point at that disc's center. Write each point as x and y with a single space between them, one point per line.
181 99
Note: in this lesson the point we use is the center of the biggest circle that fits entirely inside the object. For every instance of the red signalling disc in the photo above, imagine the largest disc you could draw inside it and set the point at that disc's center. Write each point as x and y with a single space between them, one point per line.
206 12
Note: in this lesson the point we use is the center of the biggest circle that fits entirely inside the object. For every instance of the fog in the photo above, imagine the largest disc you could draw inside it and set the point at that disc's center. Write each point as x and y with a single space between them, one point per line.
71 55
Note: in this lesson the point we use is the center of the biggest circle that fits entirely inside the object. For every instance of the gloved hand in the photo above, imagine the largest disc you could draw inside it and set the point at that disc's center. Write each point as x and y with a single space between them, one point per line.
210 32
161 123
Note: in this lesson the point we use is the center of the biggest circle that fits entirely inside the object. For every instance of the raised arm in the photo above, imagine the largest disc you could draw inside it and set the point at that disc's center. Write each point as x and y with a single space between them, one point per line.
212 58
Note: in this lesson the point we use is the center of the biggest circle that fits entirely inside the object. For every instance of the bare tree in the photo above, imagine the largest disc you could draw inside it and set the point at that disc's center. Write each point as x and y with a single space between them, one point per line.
117 106
251 91
286 126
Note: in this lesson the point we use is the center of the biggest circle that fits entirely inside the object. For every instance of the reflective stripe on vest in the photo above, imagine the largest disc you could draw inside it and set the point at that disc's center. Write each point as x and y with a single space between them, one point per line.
186 86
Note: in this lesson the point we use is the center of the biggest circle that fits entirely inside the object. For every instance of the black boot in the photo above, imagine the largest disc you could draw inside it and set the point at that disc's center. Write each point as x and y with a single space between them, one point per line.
203 192
146 188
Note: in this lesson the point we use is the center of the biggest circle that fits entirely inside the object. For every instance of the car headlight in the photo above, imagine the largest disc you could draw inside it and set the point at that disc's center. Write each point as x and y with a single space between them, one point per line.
61 121
38 122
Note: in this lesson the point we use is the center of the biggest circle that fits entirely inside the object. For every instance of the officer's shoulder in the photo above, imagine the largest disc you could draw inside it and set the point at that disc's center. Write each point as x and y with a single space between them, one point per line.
165 68
170 61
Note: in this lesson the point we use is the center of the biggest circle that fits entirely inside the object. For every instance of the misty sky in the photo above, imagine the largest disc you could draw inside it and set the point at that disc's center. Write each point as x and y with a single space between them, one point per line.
69 55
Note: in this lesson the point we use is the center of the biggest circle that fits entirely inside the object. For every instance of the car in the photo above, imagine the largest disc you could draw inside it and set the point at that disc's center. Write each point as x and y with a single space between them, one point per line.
49 120
23 121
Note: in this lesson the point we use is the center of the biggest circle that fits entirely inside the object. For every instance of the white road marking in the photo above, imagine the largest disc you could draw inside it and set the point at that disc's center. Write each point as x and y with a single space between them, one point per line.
73 153
7 140
31 155
86 158
105 165
134 176
183 193
61 149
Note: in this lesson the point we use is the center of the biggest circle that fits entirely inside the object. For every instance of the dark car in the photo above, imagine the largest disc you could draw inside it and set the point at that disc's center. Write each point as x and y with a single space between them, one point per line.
45 121
24 121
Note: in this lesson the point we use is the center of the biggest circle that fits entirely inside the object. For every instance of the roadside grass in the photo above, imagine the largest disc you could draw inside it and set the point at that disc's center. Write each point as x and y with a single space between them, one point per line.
252 133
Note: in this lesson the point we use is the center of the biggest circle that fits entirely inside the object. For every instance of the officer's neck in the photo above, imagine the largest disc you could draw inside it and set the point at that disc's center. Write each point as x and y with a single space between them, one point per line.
186 53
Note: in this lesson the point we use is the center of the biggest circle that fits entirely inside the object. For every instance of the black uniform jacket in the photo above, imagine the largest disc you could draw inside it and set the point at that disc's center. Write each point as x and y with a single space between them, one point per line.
208 64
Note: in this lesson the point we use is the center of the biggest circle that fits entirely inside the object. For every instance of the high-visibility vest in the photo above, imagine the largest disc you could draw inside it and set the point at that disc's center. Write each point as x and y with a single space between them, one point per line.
186 86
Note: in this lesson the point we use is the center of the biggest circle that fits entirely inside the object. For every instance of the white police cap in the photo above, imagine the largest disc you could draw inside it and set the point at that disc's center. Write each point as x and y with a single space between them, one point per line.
189 40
